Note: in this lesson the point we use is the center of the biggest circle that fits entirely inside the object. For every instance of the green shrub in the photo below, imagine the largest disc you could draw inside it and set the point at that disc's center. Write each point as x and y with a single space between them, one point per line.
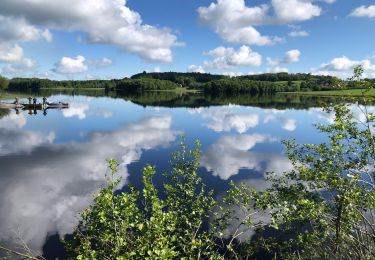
140 225
4 82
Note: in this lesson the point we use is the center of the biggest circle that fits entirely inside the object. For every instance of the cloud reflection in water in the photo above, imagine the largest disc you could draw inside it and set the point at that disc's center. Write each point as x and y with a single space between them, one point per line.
44 186
231 153
228 155
224 119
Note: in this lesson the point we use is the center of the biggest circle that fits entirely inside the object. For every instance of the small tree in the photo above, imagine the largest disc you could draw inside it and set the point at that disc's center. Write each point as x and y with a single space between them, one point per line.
140 225
325 207
4 82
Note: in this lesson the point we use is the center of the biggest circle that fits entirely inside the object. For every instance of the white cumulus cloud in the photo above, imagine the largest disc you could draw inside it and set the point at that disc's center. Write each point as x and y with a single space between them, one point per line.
14 56
224 58
229 57
196 68
103 21
69 65
292 56
295 10
345 64
364 11
235 22
9 53
18 29
289 57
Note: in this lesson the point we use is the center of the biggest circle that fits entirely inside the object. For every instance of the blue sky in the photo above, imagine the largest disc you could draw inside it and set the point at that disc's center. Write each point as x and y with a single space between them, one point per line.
86 39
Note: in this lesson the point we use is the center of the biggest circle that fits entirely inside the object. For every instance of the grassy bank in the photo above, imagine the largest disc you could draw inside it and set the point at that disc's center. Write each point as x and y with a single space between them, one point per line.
344 92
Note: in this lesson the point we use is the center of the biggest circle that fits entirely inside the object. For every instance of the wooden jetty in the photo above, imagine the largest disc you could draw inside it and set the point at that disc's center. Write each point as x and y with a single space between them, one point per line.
33 105
44 106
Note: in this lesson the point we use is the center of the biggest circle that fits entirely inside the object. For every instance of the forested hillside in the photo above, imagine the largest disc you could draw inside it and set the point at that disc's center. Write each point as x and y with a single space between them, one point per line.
255 84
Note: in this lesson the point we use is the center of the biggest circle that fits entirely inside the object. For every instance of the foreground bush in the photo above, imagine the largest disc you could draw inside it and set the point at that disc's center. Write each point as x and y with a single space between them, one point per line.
139 224
325 207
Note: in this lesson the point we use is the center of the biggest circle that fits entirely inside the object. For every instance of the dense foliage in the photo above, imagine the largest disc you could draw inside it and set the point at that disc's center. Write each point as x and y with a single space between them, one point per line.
139 225
144 85
255 84
4 82
35 84
185 79
325 207
235 85
261 83
282 76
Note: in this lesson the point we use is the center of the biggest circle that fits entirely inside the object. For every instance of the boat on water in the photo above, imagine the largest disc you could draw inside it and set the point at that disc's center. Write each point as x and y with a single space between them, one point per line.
57 105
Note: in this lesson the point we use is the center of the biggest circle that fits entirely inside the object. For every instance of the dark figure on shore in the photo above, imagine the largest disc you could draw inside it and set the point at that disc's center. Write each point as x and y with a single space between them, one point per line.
44 101
34 101
30 99
17 101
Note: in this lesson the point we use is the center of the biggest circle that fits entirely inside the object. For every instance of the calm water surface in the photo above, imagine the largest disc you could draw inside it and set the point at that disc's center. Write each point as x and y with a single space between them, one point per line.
51 165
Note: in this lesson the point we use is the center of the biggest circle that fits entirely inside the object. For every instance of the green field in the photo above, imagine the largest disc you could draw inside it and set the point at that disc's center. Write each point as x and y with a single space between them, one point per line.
346 92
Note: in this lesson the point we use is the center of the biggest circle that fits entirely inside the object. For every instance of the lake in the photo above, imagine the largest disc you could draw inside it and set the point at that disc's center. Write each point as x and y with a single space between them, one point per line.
52 163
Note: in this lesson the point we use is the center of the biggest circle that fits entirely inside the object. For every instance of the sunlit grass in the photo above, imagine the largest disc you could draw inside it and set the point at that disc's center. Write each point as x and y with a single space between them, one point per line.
344 92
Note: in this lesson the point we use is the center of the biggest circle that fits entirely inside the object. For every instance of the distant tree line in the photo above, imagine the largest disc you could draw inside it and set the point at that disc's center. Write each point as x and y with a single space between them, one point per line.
236 85
261 83
281 76
267 83
190 79
35 84
144 84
